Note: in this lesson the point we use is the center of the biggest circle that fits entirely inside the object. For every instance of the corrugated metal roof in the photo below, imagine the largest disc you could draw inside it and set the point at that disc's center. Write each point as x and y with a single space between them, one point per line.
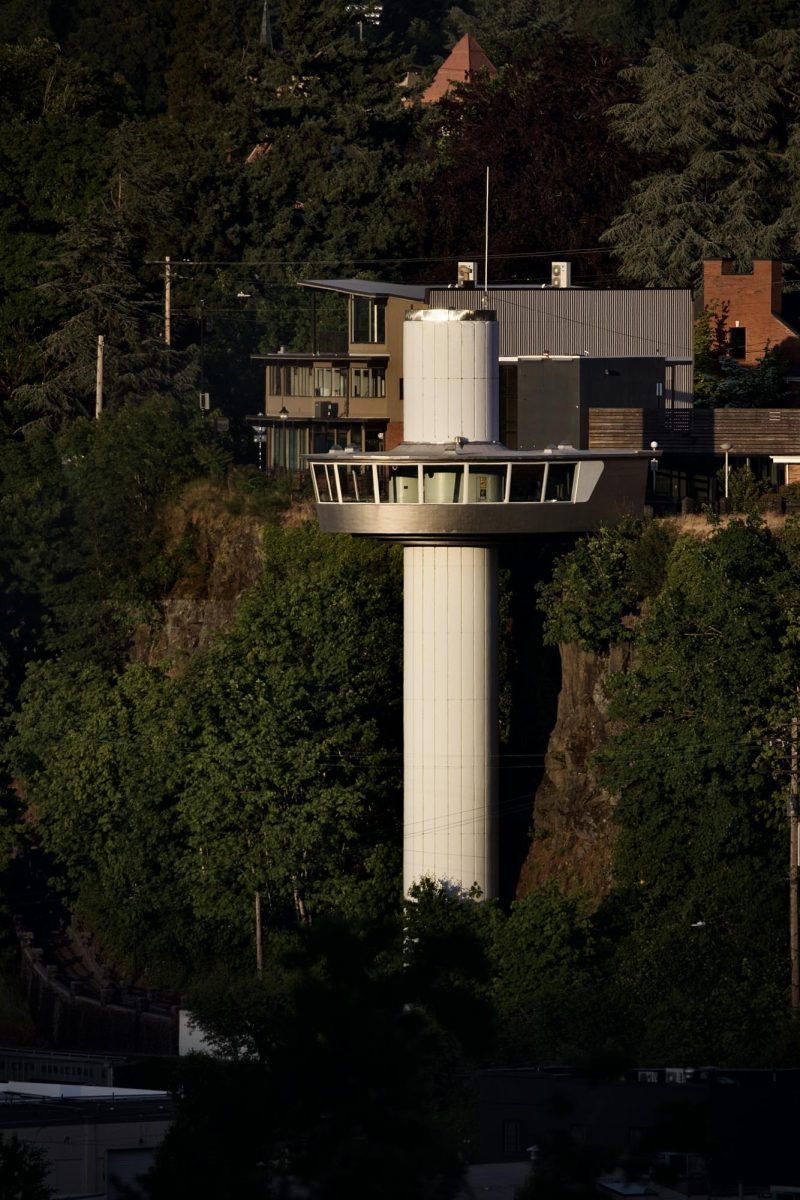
603 323
367 287
636 322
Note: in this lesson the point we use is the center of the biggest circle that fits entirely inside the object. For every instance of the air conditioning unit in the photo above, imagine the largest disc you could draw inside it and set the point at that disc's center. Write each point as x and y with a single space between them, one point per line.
467 274
325 409
561 274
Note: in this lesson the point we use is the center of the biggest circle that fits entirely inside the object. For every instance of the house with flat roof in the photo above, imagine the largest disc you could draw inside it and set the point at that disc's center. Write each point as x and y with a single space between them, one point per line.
600 368
347 389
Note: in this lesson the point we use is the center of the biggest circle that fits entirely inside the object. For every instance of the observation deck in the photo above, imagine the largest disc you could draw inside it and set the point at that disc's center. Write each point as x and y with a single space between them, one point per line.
474 493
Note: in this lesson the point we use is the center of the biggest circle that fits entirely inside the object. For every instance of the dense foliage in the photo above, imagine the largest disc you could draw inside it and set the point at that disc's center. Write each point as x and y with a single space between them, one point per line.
695 930
270 767
255 152
256 146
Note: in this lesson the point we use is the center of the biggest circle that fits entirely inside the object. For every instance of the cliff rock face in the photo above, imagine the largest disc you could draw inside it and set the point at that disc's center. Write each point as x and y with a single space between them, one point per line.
221 557
573 813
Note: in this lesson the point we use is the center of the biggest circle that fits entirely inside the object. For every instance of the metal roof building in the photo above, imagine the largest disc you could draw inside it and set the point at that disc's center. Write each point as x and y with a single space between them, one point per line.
600 323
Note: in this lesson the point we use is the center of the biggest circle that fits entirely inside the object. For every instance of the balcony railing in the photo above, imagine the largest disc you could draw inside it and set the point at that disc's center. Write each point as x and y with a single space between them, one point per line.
331 341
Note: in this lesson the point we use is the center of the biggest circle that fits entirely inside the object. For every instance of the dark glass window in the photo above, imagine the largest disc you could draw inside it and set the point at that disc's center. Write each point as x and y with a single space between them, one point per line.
526 483
512 1137
368 321
737 338
559 481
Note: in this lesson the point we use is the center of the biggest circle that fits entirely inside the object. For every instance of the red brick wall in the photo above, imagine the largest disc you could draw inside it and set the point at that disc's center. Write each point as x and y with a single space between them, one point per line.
754 303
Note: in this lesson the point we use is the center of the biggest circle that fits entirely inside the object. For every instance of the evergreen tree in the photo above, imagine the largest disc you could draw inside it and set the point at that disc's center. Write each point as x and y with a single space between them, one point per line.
55 123
720 135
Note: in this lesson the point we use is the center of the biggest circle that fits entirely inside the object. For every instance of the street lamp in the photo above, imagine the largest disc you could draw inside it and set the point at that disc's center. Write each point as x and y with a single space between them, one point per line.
259 437
284 416
726 446
653 467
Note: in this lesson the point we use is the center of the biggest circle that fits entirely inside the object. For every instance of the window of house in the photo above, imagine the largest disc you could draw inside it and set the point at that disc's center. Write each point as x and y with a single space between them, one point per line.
298 381
512 1137
329 381
366 381
275 381
368 320
737 339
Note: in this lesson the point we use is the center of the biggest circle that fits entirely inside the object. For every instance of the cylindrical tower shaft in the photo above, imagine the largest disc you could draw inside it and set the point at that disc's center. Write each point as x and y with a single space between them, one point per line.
450 716
451 377
450 492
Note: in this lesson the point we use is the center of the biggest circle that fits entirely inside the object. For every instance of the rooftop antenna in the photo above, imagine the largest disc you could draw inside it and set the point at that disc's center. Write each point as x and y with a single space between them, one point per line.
486 240
266 28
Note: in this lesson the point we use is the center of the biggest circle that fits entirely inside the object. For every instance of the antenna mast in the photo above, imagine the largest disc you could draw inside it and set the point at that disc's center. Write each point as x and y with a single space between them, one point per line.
486 240
266 28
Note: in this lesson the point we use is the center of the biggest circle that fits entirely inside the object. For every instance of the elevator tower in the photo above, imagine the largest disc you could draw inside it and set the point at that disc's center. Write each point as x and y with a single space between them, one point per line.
450 493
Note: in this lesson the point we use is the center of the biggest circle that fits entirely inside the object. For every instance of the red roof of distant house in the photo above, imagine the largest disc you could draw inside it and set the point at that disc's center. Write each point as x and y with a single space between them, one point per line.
461 65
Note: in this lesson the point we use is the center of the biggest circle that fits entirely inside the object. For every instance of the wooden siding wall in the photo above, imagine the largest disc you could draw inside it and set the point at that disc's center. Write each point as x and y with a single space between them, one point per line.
753 431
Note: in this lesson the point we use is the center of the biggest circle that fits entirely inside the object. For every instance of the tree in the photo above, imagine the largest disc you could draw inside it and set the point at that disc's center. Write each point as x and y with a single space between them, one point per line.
549 988
271 767
292 785
557 177
698 863
425 31
54 128
23 1171
598 587
718 185
353 1090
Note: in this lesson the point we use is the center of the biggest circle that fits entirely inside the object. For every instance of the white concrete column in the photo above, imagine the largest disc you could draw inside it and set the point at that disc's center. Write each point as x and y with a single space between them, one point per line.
450 716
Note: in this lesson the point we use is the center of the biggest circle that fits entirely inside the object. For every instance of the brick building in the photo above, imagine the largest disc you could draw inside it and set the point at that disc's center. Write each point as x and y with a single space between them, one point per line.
758 314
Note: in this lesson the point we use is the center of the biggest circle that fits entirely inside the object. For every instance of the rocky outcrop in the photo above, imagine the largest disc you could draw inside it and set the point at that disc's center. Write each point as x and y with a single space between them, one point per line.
573 812
220 556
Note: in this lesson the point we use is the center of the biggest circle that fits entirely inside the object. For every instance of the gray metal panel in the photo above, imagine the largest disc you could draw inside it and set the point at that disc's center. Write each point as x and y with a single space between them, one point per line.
636 322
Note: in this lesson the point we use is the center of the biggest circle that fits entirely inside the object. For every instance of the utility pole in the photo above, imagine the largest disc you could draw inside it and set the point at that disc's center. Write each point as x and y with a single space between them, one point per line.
98 387
266 28
167 302
202 350
794 940
259 947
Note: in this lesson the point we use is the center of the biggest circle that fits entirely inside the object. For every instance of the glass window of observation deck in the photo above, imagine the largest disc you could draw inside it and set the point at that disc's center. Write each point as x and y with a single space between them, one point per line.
487 484
560 477
326 487
526 483
443 485
356 484
404 485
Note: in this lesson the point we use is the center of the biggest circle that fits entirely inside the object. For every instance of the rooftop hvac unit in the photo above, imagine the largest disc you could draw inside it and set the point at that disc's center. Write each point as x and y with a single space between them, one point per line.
467 274
324 408
561 274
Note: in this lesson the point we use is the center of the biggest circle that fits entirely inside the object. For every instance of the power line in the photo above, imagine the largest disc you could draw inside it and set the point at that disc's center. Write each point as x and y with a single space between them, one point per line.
366 262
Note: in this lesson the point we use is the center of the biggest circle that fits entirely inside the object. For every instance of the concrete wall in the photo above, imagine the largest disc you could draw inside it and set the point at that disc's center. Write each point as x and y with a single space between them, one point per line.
69 1018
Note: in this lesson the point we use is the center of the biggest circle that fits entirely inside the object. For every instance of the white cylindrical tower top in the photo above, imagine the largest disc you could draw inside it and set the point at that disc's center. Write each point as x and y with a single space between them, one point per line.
450 369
